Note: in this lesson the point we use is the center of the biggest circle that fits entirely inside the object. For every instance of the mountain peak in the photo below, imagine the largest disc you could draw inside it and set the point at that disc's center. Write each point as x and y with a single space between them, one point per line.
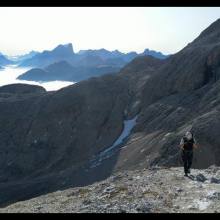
61 48
149 51
4 60
154 53
209 36
213 28
103 50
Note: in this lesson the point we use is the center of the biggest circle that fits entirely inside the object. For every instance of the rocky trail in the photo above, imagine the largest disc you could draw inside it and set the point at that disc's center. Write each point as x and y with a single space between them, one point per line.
155 190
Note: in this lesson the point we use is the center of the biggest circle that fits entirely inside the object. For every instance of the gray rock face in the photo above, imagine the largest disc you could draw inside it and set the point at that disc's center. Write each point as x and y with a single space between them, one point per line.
54 132
182 94
63 121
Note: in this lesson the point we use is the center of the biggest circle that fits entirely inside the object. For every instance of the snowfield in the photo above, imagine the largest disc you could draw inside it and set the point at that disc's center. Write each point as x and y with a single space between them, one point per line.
128 125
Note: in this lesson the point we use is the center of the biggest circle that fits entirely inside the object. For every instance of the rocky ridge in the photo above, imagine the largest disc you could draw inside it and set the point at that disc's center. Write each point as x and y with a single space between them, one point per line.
155 190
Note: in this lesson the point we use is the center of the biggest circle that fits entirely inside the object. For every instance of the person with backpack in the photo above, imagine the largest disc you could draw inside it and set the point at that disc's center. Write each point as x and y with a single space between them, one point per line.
187 144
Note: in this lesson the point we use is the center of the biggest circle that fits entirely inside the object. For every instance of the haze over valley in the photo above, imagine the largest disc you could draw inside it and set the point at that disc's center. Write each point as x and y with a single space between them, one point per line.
62 67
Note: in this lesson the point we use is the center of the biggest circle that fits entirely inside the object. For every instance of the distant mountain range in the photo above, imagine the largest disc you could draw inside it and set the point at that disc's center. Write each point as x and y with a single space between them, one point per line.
85 57
21 58
63 71
62 63
154 53
61 52
4 60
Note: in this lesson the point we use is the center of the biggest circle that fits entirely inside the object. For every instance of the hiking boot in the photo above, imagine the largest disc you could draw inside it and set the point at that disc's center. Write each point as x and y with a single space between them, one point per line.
186 174
188 171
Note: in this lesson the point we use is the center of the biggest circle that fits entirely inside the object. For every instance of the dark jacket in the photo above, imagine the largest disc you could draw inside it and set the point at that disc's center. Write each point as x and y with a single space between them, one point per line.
187 144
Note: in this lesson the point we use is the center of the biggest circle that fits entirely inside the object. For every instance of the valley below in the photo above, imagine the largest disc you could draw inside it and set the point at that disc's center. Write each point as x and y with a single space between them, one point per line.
9 74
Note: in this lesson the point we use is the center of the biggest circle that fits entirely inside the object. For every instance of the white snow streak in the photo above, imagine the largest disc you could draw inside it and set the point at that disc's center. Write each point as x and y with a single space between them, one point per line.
128 126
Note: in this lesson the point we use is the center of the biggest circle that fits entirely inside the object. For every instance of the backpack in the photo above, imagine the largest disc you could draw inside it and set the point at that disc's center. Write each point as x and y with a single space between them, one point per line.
188 144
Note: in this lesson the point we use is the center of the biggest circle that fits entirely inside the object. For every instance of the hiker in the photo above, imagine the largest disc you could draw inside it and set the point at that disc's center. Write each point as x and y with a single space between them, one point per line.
187 144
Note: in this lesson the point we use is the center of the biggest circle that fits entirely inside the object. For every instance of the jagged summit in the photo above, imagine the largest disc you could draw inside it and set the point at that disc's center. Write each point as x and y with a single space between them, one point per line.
61 52
154 53
64 48
210 36
213 28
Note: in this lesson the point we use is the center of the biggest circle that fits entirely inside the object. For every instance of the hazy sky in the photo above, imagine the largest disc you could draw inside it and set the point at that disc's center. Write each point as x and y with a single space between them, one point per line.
167 29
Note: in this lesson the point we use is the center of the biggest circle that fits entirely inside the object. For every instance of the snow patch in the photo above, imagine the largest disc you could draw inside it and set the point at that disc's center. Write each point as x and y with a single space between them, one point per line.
168 134
128 126
142 150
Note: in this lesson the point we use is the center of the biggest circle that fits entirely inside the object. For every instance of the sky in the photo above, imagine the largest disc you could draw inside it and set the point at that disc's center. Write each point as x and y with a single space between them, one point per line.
165 29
